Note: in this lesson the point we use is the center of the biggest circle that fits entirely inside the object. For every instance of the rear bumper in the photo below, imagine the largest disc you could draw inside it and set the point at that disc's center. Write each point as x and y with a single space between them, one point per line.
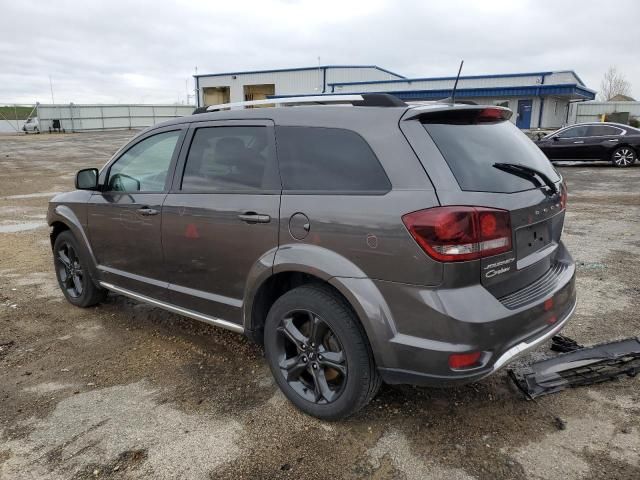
431 324
400 376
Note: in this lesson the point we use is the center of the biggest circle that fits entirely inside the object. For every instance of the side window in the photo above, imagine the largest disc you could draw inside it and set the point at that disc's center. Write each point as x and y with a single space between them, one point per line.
328 160
602 130
574 132
144 167
230 159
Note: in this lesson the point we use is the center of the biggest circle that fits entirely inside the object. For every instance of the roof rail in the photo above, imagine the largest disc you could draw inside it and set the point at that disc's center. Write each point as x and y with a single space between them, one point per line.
364 100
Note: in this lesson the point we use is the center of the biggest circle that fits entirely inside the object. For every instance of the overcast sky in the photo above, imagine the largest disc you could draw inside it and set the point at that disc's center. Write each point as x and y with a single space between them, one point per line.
146 51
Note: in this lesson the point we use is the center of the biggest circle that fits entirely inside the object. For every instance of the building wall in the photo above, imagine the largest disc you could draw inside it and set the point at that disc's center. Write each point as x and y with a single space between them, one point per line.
554 113
592 111
292 82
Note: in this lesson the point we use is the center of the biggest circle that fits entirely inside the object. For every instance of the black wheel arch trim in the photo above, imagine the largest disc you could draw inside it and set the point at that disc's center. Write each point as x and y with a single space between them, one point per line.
65 215
358 291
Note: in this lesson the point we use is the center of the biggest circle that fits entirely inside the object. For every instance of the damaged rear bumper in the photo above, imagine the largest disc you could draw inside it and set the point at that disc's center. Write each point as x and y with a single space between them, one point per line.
584 366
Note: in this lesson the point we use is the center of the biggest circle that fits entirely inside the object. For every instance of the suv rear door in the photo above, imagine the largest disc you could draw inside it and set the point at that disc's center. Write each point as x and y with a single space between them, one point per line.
220 218
458 153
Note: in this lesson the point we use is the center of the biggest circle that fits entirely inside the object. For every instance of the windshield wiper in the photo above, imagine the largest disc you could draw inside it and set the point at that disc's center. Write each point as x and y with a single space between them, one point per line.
528 173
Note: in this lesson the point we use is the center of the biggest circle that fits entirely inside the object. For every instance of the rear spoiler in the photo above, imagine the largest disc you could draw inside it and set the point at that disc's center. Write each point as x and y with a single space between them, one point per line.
442 110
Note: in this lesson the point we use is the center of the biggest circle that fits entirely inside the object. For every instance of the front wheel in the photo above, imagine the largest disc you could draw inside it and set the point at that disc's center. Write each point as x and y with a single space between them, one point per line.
623 156
319 354
73 274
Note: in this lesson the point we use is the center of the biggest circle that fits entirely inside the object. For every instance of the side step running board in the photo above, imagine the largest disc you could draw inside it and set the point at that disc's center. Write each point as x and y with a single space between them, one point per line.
583 366
234 327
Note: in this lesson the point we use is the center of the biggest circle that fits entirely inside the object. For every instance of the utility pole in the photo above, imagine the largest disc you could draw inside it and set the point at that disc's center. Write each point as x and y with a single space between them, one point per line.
196 93
51 87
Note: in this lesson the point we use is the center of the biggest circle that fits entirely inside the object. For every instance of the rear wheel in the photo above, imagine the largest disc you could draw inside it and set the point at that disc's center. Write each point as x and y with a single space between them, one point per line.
623 156
73 274
318 353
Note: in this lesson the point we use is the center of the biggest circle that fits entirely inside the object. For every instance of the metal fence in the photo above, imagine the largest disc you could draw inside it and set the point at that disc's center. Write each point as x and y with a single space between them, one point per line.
592 111
80 118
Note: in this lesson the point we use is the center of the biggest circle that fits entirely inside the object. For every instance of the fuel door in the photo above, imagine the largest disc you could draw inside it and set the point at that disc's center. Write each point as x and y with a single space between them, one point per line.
299 226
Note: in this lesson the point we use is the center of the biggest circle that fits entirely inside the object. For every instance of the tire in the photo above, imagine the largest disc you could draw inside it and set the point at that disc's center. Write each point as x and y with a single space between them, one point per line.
623 156
72 272
329 378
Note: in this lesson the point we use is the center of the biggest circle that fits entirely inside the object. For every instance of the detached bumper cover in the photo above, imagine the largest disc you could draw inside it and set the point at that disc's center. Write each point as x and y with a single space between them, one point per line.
585 366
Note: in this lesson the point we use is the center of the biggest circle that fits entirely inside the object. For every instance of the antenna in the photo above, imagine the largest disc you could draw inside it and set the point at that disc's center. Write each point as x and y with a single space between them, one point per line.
455 85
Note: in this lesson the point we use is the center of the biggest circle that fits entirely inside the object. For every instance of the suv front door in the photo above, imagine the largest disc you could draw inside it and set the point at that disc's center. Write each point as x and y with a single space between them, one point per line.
220 219
124 217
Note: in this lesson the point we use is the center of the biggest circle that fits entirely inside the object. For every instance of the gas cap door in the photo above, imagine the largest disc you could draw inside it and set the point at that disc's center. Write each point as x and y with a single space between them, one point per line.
299 226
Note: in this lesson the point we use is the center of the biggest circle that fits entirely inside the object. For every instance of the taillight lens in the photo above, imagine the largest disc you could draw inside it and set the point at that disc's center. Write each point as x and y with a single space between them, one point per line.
456 234
563 195
493 115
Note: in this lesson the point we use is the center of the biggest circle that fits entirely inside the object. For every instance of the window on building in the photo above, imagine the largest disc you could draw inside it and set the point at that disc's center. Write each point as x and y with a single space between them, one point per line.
230 159
328 160
501 103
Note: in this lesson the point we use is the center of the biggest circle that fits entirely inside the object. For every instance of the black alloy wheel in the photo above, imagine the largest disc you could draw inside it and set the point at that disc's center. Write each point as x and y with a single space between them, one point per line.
72 272
310 357
319 353
69 269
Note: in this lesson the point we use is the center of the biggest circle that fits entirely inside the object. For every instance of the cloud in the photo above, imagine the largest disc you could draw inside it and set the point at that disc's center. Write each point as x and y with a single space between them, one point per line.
134 51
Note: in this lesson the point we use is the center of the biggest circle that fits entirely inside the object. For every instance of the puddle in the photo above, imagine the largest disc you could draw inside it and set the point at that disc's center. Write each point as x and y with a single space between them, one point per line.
20 227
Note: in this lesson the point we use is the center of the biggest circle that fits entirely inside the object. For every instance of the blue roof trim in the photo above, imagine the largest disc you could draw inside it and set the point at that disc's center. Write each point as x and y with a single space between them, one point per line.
536 90
278 70
422 79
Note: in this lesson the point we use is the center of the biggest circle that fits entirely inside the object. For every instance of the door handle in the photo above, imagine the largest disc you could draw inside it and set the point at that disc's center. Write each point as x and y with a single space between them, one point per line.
252 217
147 212
579 141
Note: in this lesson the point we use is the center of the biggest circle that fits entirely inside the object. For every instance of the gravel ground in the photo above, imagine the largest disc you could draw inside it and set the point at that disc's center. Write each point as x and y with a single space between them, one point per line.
124 390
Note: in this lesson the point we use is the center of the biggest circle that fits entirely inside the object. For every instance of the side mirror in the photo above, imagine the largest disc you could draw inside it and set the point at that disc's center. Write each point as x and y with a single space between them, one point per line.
555 139
87 179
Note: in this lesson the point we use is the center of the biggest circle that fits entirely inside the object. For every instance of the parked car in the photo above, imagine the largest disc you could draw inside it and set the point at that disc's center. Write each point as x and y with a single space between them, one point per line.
31 125
613 142
358 244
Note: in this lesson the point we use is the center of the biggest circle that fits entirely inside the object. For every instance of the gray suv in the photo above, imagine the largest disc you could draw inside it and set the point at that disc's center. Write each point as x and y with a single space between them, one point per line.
372 242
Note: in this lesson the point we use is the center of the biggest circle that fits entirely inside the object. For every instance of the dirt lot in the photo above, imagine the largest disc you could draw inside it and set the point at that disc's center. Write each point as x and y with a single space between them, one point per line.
128 391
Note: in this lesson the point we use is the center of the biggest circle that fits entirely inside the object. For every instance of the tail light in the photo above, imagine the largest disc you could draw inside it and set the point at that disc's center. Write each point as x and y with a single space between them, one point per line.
493 115
563 195
456 234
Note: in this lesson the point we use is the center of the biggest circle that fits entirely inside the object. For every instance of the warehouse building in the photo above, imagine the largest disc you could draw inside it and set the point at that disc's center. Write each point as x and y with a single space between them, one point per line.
538 99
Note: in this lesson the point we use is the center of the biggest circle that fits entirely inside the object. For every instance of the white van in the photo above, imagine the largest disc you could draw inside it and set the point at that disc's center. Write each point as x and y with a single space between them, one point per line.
31 125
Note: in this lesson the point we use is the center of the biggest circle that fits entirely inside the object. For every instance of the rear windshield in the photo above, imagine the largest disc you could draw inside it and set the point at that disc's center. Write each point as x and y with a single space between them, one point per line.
471 151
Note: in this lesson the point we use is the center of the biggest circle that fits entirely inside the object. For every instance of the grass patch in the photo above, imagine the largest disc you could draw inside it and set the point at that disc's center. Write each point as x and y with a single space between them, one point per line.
9 112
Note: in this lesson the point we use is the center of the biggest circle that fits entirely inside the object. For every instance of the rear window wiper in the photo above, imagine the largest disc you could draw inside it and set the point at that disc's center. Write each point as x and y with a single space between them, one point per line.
527 172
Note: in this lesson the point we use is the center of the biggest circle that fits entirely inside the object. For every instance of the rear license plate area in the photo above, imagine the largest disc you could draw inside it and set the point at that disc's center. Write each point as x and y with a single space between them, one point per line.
533 238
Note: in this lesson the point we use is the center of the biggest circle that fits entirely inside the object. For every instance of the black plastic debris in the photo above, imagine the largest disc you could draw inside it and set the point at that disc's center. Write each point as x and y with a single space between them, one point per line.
563 344
584 366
